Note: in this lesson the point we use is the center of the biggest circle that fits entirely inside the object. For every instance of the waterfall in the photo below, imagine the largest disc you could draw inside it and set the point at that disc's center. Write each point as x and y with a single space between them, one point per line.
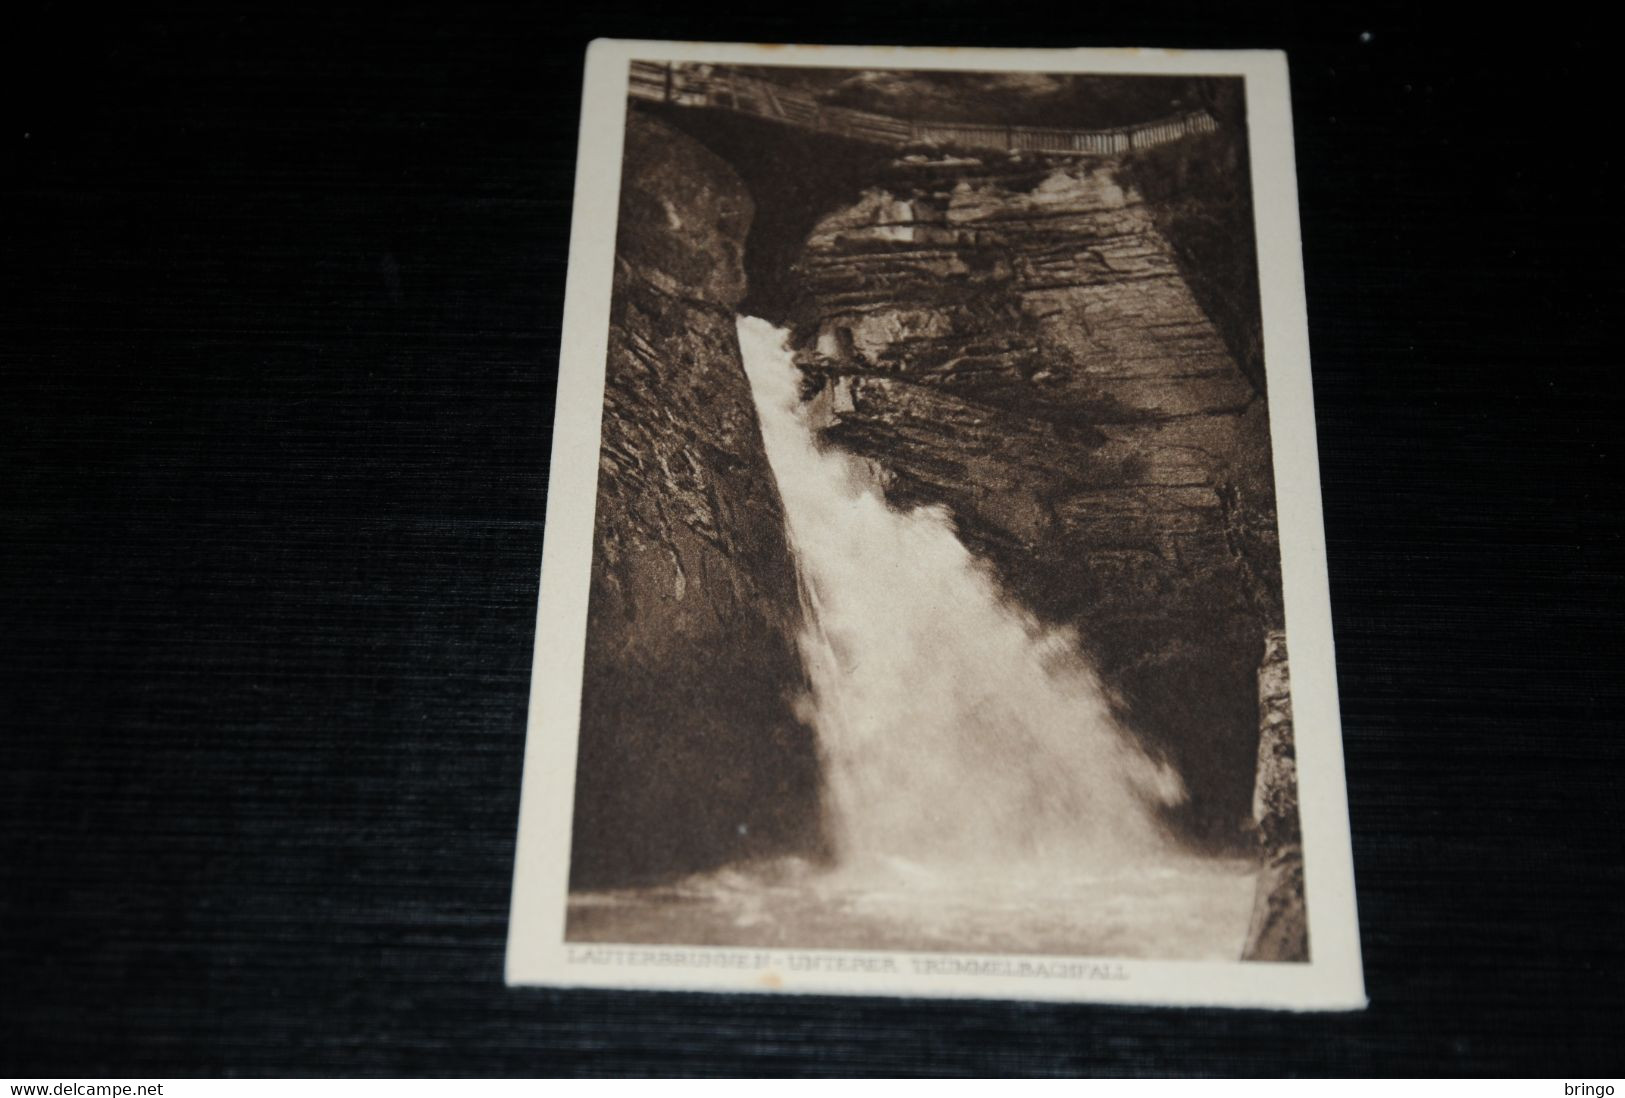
979 794
960 737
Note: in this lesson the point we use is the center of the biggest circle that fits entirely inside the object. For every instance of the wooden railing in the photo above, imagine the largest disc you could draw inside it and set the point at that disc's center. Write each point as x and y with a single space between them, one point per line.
693 85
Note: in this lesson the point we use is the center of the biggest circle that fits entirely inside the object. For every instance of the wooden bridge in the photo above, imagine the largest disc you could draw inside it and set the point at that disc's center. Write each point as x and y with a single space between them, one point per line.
717 88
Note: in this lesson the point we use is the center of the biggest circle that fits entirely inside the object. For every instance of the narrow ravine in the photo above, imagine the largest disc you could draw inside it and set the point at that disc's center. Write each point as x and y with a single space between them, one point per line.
978 793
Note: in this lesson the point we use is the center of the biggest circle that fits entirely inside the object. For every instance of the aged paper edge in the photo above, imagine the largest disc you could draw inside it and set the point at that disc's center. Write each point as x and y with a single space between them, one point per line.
537 952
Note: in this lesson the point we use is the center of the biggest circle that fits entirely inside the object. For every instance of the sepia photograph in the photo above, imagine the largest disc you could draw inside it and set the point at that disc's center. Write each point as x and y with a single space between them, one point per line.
935 602
978 540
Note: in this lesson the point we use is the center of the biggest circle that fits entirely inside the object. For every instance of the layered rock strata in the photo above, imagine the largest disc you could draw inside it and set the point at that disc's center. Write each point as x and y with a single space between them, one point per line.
1012 337
1279 929
689 753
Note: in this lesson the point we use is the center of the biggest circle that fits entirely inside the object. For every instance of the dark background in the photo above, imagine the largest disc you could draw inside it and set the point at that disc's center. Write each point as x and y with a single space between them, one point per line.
280 295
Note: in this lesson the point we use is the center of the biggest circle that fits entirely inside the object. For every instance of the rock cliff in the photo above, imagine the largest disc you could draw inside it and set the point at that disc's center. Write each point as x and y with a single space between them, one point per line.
693 599
1013 337
1071 369
1279 930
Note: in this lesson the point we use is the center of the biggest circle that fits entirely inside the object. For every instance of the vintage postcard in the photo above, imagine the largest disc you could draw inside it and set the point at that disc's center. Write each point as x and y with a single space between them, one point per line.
934 594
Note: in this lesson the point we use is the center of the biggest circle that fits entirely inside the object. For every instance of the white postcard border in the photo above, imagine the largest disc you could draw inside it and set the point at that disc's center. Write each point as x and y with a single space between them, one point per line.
537 951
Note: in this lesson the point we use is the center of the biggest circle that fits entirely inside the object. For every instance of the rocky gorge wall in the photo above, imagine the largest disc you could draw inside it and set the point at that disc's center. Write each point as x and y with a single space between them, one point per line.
1279 927
1012 337
690 755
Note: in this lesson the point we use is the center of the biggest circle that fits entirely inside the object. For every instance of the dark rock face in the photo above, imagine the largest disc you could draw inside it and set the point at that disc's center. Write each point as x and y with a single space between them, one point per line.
1013 338
1279 930
690 754
796 176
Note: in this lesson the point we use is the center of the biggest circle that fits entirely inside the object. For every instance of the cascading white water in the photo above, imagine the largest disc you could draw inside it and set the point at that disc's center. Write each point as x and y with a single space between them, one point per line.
960 738
980 796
